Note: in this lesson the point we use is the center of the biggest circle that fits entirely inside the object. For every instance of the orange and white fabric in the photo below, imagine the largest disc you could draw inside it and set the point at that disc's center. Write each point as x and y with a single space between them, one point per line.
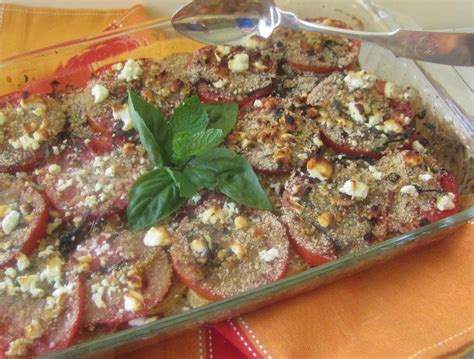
416 306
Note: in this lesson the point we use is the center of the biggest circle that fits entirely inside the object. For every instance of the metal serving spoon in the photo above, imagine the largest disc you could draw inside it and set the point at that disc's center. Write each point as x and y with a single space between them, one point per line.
233 22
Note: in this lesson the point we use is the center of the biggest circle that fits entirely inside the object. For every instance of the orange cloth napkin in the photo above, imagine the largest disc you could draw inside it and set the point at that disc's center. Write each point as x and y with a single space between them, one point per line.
416 306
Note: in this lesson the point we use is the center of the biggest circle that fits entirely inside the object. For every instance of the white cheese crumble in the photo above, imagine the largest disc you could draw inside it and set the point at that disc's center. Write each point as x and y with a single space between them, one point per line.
10 222
418 147
54 169
223 50
97 295
409 190
131 71
10 272
425 177
239 63
391 90
117 67
53 271
141 321
238 249
355 189
100 93
392 126
446 202
111 171
123 115
375 173
375 119
219 84
133 301
268 255
47 252
356 113
157 236
22 262
359 80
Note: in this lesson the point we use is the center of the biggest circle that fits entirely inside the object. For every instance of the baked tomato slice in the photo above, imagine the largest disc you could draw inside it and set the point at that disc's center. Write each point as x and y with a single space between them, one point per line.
30 126
275 137
128 290
209 95
63 331
359 121
448 184
314 53
24 217
81 183
222 249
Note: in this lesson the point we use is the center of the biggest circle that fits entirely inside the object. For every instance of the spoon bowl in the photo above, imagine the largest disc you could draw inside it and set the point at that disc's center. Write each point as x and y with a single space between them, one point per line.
233 22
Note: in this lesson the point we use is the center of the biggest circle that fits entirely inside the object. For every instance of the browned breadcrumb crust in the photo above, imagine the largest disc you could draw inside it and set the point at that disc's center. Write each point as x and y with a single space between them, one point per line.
255 69
275 135
315 49
27 127
219 248
354 113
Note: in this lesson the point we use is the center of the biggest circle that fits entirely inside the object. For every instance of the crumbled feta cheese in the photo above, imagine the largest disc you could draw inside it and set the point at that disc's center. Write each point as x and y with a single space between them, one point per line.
406 120
33 330
210 215
425 177
375 119
157 236
46 252
18 347
100 93
259 66
53 271
28 282
239 63
446 202
238 249
392 126
133 301
355 189
223 50
359 80
123 115
409 190
268 255
241 222
219 83
376 174
111 171
3 118
131 71
97 296
10 272
51 227
418 147
10 222
356 111
22 262
258 103
117 67
319 168
54 169
141 321
26 143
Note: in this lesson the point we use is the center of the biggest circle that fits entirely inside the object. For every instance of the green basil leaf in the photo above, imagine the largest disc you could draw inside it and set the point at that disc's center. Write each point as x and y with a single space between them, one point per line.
187 144
189 116
235 177
150 124
187 188
222 115
201 177
153 197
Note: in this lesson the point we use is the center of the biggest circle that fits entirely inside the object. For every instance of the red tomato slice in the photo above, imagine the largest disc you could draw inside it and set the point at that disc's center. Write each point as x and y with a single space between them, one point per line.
448 183
206 95
312 258
64 331
154 274
339 148
26 236
353 49
216 271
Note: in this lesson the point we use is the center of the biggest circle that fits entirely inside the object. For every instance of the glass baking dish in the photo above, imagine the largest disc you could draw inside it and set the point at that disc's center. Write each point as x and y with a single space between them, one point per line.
454 132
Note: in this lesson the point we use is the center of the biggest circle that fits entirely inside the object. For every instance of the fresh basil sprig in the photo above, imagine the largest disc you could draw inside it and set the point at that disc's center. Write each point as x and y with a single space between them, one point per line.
186 156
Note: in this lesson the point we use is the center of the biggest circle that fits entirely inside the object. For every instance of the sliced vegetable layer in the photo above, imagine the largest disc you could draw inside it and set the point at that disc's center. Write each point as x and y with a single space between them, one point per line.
223 249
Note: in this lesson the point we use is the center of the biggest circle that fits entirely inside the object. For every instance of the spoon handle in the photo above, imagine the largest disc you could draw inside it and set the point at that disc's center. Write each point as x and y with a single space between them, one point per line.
449 48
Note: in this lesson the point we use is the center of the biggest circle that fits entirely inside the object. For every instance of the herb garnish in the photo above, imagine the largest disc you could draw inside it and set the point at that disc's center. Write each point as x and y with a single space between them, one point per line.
186 156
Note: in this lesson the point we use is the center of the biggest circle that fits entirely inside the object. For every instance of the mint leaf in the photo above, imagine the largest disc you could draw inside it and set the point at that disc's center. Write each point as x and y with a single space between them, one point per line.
187 188
187 144
189 116
153 197
222 115
151 126
235 177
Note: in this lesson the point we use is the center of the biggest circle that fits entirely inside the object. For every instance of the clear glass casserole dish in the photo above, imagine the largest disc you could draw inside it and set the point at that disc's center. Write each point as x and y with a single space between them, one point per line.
454 132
